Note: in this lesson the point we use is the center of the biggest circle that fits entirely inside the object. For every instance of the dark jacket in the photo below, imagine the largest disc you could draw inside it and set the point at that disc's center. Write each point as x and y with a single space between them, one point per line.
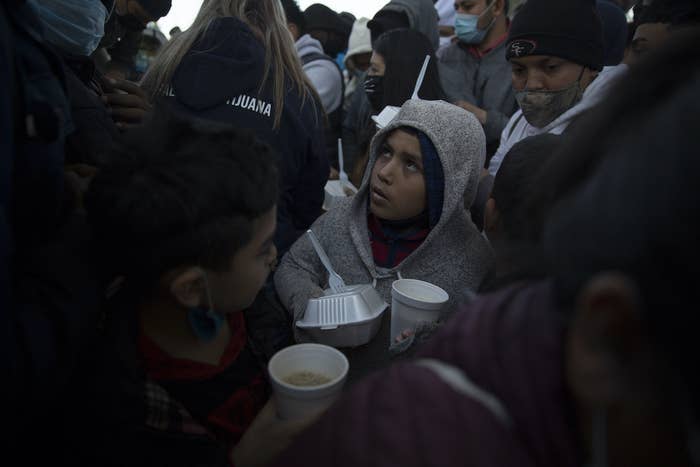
508 405
95 131
358 127
48 292
219 79
124 418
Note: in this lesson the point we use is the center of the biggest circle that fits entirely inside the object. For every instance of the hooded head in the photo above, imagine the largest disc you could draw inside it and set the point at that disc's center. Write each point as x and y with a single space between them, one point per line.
419 15
359 46
431 155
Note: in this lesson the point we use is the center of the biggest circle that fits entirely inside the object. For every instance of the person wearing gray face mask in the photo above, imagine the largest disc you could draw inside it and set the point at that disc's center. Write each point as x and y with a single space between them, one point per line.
557 69
542 107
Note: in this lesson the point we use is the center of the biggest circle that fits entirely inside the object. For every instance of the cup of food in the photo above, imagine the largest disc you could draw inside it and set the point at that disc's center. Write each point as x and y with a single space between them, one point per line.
306 379
414 301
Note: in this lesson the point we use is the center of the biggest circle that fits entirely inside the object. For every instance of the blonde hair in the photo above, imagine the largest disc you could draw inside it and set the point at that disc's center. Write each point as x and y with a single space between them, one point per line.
267 21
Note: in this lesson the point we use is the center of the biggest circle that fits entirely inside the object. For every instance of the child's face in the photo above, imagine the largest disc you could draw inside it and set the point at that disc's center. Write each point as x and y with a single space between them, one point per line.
235 289
397 186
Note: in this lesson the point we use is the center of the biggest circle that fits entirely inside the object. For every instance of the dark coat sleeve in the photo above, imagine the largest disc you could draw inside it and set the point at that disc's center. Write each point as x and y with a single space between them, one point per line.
405 416
303 184
48 293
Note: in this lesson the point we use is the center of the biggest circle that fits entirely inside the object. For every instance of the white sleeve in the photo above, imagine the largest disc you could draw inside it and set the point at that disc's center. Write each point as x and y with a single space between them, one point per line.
503 147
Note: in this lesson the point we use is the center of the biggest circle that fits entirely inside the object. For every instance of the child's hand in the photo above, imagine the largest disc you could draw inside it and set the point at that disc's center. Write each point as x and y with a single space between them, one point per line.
405 334
267 437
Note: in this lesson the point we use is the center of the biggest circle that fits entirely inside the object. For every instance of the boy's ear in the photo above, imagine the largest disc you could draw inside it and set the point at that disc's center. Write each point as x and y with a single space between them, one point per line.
491 216
187 287
606 339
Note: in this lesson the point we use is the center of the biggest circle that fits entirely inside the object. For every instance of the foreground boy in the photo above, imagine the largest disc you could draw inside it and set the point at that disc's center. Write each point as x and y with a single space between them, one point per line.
184 221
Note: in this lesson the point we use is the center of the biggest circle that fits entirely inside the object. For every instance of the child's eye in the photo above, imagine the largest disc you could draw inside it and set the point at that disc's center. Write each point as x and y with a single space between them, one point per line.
385 152
412 166
552 68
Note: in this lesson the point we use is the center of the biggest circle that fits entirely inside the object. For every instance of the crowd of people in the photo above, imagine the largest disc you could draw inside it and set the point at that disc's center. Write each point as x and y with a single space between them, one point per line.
537 165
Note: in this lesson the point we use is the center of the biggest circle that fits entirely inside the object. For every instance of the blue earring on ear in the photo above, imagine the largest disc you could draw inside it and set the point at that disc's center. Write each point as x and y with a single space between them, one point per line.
205 322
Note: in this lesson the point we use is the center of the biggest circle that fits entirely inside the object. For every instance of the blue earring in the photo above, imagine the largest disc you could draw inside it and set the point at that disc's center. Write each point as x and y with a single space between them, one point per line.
205 323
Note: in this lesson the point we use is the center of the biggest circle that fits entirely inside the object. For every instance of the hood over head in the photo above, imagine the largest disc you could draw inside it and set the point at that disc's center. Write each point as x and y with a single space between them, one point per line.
459 141
308 45
421 14
360 41
229 48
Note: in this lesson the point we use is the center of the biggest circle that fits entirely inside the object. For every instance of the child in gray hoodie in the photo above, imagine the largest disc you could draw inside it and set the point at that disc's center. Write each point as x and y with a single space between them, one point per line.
408 220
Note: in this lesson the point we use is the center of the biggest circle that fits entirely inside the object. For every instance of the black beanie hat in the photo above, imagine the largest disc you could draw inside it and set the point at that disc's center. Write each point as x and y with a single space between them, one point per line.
156 8
569 29
319 16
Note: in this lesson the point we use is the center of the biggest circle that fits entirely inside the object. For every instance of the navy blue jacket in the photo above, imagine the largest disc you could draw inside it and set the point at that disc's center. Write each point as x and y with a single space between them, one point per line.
219 79
48 293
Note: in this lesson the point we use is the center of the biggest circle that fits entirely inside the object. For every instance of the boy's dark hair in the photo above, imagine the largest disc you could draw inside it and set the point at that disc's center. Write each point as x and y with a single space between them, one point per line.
672 12
178 193
294 14
404 51
630 175
515 182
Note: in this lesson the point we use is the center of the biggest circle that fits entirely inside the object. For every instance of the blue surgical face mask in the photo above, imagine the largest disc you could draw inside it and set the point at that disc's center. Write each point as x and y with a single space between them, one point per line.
466 27
74 26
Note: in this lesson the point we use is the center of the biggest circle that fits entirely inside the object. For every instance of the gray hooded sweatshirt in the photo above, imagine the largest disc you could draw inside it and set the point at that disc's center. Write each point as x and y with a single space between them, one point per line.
454 256
422 17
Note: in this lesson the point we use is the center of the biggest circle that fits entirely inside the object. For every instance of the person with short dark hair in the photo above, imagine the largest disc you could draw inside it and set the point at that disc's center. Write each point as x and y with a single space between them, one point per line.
557 69
595 366
473 72
184 222
513 229
123 31
657 22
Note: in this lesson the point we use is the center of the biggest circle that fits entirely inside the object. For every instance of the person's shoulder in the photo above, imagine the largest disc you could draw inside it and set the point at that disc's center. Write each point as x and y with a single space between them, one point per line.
339 214
451 52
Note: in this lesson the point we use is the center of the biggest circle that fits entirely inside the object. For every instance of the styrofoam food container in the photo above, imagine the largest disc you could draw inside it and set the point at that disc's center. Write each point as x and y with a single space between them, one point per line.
295 402
335 191
413 301
348 319
386 116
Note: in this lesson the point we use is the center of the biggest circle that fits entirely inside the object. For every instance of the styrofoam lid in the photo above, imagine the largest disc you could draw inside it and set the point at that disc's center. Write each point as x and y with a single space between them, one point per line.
386 116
